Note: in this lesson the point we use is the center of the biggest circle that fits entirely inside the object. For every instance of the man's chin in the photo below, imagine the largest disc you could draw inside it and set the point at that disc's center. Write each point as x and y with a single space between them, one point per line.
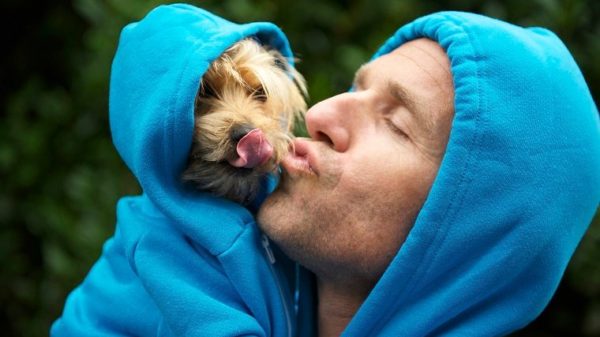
271 207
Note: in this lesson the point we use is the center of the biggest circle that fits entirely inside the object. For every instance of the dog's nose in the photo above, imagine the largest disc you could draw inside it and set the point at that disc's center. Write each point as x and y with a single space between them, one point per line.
239 131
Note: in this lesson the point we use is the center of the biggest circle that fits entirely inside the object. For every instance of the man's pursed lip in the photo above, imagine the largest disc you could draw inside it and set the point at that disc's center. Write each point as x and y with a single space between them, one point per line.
300 161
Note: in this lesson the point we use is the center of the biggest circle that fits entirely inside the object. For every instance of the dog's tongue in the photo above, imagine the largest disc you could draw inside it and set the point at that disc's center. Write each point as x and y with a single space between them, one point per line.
253 150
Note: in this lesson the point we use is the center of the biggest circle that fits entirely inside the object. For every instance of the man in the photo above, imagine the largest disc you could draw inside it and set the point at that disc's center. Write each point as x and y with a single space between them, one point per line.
446 192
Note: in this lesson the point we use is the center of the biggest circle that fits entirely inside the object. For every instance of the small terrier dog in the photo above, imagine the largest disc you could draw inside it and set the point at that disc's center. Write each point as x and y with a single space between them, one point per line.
248 102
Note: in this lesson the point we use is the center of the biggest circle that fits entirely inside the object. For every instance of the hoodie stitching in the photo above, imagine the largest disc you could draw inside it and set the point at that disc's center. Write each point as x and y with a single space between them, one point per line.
173 103
454 203
457 204
245 227
170 133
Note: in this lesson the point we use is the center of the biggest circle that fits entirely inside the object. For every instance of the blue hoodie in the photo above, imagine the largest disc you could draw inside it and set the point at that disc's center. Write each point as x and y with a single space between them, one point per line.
181 262
515 192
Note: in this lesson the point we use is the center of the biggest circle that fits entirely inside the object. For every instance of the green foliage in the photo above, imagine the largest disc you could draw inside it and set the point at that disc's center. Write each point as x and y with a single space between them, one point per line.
62 176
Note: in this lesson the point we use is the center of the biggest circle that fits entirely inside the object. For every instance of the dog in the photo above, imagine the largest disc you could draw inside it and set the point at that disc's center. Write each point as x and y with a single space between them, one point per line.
247 105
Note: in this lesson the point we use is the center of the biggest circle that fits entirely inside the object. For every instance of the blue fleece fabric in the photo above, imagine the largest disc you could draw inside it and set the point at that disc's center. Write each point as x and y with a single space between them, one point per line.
181 262
517 188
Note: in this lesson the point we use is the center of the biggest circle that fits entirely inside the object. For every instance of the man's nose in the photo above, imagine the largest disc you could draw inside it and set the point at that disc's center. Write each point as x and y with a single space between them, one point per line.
330 121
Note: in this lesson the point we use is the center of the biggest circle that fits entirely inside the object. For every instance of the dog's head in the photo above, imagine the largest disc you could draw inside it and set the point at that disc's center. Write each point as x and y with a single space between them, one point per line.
247 105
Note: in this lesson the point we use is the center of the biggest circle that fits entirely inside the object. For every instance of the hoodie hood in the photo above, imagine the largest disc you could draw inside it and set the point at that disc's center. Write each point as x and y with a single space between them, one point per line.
516 190
154 80
187 262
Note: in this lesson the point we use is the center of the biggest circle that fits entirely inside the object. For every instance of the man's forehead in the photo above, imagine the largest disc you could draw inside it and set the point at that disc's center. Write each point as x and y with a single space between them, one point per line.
425 51
428 56
422 55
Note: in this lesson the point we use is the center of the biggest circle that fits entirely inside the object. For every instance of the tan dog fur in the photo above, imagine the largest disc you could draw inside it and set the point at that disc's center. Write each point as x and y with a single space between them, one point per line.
247 87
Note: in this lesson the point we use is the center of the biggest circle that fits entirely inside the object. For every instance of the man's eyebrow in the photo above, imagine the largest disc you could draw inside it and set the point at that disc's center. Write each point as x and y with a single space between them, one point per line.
409 100
401 94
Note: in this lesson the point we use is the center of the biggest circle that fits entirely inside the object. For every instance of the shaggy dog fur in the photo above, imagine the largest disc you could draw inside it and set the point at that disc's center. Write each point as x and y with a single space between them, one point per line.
245 110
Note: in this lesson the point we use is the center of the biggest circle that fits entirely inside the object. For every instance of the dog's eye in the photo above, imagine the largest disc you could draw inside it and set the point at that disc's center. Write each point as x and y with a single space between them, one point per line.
259 94
280 63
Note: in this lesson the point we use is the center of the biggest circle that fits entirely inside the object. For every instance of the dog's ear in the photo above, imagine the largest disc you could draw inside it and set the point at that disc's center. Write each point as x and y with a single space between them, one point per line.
282 63
299 82
301 86
206 89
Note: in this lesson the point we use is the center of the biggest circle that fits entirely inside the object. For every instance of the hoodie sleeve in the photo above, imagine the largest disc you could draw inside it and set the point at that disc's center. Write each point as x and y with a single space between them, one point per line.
190 288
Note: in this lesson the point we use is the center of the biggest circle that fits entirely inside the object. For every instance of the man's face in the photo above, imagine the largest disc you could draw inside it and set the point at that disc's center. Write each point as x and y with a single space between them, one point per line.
350 194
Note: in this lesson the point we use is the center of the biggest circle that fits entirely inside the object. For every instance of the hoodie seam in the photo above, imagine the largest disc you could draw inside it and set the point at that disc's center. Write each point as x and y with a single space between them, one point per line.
456 199
170 127
245 227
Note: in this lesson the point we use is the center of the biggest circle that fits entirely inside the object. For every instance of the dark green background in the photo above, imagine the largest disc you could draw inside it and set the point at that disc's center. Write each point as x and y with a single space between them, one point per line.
61 176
